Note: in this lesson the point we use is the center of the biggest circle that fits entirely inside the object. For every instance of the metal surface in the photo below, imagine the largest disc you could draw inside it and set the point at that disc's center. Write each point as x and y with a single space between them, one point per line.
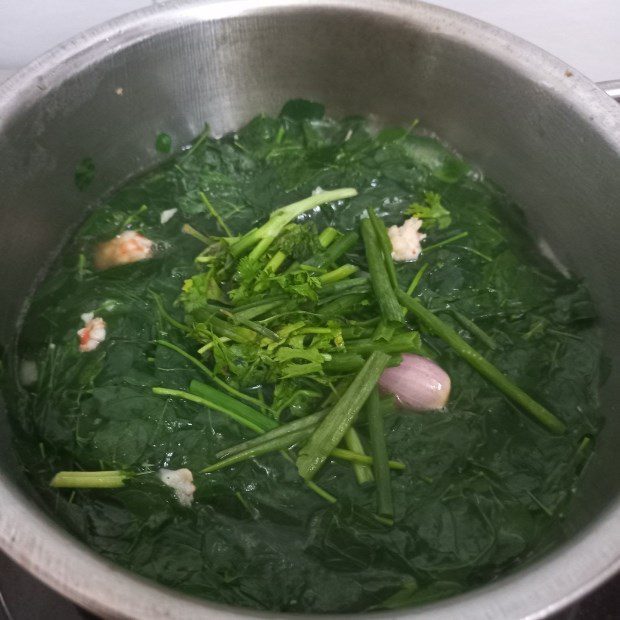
612 88
548 135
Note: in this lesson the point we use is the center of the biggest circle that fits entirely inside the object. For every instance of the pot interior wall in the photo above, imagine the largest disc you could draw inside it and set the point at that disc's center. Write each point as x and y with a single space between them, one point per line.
111 100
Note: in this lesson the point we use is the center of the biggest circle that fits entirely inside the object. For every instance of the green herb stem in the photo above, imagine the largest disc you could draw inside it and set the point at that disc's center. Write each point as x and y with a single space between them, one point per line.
215 214
192 232
360 284
445 242
224 401
416 281
275 262
342 305
255 311
381 467
357 332
404 342
385 244
212 376
584 450
286 441
133 217
333 427
384 293
338 274
243 244
307 422
165 315
363 473
236 410
261 238
355 457
207 347
335 250
253 325
327 236
483 366
273 445
285 437
111 479
383 331
261 247
474 330
344 363
321 492
223 328
202 138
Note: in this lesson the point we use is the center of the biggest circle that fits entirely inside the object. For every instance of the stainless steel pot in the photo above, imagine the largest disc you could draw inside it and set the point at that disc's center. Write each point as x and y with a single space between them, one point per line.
544 132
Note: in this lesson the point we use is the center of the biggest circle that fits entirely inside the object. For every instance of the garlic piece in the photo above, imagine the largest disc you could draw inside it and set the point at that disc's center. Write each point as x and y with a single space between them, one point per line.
28 372
167 215
181 481
406 240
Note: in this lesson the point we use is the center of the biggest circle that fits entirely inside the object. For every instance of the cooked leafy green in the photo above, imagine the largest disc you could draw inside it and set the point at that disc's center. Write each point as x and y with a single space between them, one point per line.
84 173
236 343
163 143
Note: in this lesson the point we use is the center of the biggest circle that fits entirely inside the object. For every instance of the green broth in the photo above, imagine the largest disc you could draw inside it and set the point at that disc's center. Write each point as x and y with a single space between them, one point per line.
485 488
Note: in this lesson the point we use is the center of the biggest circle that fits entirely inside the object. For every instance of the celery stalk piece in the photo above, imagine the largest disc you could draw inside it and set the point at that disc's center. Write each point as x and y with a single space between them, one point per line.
111 479
261 238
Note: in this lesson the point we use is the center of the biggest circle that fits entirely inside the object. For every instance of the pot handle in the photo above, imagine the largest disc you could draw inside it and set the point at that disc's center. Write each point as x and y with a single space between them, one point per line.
612 88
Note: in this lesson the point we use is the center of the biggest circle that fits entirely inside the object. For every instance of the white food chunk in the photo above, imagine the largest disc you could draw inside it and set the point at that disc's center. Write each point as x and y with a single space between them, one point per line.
167 215
128 247
182 481
93 333
547 251
406 240
28 372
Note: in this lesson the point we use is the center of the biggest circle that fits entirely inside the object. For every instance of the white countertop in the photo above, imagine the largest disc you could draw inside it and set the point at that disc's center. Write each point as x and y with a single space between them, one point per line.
584 33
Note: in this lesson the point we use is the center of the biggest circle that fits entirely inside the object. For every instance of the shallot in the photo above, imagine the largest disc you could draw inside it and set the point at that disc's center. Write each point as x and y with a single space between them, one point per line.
418 383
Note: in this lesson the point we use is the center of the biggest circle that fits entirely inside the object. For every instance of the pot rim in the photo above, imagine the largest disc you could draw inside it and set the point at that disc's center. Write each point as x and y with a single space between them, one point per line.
40 546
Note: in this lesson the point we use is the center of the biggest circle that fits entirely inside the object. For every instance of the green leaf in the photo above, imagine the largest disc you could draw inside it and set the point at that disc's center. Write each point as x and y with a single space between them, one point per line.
163 143
84 174
431 211
443 164
300 109
284 354
199 290
120 443
298 241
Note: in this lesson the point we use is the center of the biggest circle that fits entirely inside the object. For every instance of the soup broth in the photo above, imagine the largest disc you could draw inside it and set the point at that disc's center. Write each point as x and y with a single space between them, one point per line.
481 484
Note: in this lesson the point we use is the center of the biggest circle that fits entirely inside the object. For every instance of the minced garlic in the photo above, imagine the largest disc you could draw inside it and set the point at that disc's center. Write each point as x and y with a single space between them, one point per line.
406 240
